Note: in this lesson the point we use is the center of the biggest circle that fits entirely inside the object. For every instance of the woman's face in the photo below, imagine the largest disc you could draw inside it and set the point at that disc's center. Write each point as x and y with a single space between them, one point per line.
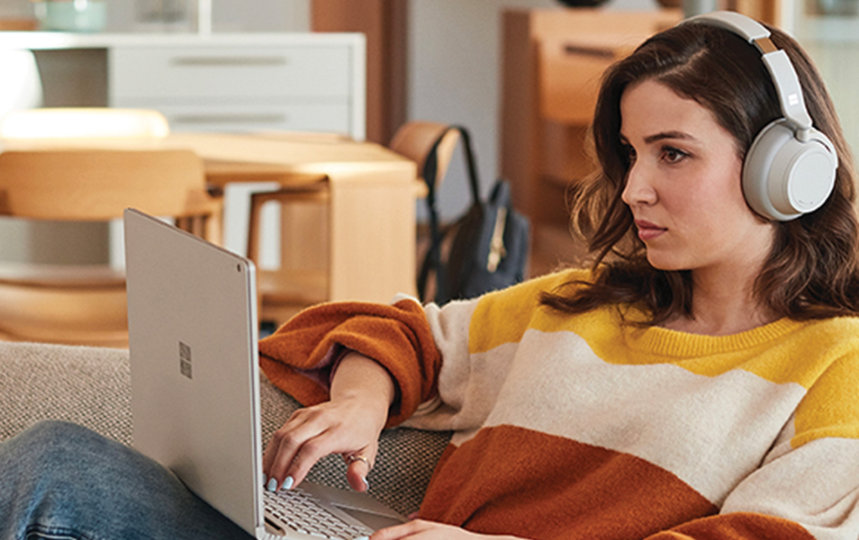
684 185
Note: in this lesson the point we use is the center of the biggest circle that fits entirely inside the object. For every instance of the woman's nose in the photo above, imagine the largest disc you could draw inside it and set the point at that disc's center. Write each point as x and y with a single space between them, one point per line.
639 188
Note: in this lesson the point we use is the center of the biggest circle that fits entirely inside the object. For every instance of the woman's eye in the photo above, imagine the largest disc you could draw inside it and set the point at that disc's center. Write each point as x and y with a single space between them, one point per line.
629 152
673 155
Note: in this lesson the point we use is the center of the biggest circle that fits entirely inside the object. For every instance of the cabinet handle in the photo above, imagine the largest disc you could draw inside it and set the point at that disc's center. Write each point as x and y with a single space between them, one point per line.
262 118
585 50
240 61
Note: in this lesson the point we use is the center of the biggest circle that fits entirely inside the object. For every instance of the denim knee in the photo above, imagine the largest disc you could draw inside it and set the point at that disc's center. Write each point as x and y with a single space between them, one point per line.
66 479
40 436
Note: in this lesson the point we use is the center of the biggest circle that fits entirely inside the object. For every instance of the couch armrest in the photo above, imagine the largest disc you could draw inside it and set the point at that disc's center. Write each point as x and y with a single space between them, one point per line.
91 387
406 459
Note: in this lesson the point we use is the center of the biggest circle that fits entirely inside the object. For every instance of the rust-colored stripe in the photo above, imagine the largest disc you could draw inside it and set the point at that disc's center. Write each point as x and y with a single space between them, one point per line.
737 526
516 481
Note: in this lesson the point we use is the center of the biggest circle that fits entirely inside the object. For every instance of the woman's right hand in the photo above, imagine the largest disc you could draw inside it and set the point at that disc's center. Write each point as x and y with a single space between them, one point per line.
349 424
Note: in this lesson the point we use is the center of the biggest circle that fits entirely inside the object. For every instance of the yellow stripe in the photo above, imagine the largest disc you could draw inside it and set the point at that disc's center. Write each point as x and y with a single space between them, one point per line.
828 404
781 352
842 431
504 316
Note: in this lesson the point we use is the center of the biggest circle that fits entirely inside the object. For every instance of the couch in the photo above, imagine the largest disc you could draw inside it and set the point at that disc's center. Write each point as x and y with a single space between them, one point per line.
91 386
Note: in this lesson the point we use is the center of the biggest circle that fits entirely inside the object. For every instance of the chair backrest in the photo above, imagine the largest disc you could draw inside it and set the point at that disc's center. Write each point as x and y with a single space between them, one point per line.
82 122
414 140
97 185
26 90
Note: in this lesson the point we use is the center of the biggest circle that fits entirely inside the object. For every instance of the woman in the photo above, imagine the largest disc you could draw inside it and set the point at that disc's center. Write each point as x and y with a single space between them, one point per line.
700 381
697 382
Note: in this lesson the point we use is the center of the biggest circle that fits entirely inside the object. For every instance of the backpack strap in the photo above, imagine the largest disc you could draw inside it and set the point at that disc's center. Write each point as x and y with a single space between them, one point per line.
431 164
432 260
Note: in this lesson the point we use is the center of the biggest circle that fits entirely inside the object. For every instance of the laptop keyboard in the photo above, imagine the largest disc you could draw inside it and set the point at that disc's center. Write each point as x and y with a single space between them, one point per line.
300 511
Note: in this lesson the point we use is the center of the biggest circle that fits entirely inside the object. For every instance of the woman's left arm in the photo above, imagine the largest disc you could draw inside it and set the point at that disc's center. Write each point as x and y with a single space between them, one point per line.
808 484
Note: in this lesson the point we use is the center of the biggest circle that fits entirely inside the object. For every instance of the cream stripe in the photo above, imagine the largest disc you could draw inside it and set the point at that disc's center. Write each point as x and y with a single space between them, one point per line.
467 384
709 431
815 485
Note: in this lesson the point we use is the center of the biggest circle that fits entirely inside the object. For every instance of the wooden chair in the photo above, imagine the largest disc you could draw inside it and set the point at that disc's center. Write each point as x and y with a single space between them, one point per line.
415 139
85 304
25 88
300 279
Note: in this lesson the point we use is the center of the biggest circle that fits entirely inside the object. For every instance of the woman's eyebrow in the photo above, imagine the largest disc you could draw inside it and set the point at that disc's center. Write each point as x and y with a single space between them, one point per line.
669 135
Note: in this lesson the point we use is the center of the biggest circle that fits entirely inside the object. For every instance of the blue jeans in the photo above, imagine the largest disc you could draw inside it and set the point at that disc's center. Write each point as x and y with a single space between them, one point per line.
62 481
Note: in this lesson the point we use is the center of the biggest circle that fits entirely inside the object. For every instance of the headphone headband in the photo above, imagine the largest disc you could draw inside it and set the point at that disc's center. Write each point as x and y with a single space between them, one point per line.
789 169
776 60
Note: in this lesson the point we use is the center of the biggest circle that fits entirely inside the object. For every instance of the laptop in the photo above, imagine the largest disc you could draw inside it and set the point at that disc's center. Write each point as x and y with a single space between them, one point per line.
195 386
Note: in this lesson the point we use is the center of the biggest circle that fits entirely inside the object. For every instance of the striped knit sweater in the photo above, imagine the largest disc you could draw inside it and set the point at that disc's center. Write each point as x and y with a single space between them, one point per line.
583 427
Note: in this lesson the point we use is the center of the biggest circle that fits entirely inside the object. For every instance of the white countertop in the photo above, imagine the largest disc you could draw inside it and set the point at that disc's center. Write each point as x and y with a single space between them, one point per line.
71 40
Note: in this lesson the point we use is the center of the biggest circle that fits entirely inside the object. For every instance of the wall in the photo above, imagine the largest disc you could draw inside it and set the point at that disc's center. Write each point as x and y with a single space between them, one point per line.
832 41
16 8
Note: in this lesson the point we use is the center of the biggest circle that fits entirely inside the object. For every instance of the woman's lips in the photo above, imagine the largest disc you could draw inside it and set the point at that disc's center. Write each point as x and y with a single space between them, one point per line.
648 231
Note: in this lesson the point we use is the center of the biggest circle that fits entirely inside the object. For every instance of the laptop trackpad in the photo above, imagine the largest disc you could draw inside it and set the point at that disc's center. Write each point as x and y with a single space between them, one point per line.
359 506
372 520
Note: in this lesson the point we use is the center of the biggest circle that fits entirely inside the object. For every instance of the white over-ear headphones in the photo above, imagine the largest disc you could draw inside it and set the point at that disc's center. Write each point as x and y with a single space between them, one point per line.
790 168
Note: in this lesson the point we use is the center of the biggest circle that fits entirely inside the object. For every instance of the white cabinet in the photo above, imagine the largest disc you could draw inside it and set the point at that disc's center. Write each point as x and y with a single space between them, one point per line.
230 71
238 87
217 82
247 116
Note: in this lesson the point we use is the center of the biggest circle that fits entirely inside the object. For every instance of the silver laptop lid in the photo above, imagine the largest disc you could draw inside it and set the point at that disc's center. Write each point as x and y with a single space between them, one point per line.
194 364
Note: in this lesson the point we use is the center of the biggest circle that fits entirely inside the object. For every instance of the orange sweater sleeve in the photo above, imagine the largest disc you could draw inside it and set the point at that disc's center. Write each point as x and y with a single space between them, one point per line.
299 356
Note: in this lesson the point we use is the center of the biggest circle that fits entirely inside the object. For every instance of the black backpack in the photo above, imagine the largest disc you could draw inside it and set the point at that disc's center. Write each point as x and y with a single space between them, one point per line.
488 244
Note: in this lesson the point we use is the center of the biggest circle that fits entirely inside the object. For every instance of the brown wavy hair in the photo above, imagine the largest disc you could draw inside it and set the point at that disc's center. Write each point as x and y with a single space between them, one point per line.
812 270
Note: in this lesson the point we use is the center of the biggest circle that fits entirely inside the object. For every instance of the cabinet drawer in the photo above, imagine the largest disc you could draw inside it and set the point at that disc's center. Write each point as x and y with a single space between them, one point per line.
200 72
327 117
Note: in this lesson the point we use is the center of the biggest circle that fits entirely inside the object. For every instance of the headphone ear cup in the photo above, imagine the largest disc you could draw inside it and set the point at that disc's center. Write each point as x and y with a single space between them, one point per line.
784 177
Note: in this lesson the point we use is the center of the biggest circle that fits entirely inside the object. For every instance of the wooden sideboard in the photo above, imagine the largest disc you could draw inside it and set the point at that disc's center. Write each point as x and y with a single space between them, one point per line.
552 63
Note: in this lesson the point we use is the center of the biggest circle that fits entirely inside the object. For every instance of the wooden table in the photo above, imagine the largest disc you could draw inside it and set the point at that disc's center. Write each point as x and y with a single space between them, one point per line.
370 219
365 248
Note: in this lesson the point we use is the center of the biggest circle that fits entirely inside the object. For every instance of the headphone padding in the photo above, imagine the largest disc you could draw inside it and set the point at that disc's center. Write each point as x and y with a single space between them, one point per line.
784 177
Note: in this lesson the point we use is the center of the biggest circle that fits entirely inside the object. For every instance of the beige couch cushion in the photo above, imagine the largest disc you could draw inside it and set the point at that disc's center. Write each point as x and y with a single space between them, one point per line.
90 386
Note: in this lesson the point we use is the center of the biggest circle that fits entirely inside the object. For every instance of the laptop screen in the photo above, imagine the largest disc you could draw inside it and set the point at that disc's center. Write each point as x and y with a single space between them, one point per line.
194 366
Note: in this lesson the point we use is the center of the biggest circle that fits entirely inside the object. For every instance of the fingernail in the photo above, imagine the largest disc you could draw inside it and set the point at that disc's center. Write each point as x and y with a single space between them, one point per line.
272 485
287 483
366 484
363 538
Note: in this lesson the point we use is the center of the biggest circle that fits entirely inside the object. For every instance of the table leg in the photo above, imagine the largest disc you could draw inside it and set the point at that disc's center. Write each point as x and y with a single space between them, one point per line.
372 235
